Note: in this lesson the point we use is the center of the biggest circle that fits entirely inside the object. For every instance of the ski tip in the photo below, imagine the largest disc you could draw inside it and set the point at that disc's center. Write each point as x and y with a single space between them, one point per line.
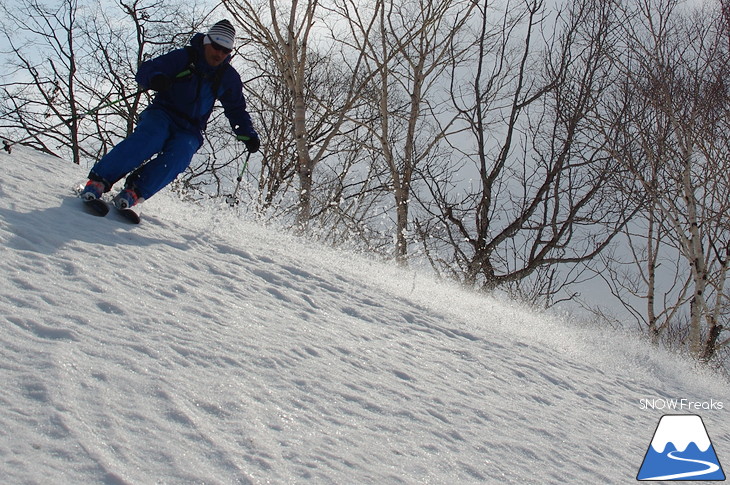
129 215
96 207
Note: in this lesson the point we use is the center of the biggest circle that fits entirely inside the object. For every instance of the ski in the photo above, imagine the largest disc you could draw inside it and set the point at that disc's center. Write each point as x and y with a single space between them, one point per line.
96 207
100 207
129 216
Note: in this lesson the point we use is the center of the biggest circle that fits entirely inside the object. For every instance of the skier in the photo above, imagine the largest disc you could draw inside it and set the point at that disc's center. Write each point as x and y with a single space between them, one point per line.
187 82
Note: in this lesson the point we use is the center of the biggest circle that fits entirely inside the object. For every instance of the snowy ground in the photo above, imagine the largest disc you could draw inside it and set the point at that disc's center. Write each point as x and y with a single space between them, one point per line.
199 348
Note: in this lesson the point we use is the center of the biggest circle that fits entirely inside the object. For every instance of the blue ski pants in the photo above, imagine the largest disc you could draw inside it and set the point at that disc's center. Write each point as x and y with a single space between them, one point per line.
156 133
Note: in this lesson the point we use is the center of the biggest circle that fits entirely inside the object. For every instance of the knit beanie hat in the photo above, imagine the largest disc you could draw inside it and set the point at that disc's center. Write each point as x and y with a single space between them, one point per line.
222 33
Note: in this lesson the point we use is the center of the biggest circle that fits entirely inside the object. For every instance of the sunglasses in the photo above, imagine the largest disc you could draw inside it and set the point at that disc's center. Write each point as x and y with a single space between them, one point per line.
220 48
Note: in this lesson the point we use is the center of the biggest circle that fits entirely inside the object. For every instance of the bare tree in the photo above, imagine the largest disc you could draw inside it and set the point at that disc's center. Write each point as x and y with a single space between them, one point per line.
43 48
413 45
71 77
669 130
278 169
544 193
303 40
285 34
114 50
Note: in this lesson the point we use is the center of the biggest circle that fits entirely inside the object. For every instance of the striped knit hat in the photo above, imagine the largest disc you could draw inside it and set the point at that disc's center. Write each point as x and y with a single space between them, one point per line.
222 33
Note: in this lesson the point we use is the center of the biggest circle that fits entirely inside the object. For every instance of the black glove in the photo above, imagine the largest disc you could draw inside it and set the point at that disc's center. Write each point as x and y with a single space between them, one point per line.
252 143
160 82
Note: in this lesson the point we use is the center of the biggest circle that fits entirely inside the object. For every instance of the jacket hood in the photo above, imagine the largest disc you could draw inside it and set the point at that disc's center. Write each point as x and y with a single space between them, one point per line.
197 41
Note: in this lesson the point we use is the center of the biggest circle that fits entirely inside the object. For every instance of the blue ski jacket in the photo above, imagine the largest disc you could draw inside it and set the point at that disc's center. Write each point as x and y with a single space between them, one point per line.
190 99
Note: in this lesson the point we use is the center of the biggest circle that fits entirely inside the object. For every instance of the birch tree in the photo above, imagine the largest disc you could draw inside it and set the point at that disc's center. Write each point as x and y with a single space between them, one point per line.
669 130
412 45
288 34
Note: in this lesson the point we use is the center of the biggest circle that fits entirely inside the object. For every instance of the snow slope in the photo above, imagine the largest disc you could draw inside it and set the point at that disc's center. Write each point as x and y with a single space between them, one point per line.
201 348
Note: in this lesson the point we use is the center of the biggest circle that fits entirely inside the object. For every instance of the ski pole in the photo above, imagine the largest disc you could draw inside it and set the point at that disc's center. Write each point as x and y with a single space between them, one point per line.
233 199
7 144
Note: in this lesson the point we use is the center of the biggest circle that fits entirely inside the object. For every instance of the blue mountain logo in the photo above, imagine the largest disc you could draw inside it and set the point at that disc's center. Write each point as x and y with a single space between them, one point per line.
681 450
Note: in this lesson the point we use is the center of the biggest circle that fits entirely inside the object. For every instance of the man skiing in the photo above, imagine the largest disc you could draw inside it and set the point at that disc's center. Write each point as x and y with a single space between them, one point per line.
187 82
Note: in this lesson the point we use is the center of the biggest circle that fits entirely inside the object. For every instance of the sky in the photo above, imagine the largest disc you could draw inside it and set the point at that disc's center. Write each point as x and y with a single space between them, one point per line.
202 347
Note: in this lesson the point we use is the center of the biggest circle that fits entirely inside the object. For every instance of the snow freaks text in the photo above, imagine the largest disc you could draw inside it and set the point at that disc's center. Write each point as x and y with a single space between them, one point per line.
687 405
